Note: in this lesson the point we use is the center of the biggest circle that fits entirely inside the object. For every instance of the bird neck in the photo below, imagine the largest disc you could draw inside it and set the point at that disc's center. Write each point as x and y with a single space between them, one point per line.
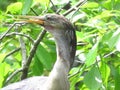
59 73
66 46
63 53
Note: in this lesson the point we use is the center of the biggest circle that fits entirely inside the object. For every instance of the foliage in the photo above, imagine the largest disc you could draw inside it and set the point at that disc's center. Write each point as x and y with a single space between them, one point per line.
97 25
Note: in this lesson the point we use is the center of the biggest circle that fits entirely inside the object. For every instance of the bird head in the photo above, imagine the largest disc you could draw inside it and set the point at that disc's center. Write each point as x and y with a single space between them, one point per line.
51 22
61 29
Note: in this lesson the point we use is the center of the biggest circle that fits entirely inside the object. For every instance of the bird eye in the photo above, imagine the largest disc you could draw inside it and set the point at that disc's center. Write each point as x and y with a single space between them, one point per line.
48 18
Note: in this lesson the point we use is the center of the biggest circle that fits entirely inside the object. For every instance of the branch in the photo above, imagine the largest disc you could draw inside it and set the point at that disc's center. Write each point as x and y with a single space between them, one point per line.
13 74
79 71
26 63
23 52
68 5
54 7
10 53
107 55
9 30
33 11
24 58
24 55
21 34
33 49
81 2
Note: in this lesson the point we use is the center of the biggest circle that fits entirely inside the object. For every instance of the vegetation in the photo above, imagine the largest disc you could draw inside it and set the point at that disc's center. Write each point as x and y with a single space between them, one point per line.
97 25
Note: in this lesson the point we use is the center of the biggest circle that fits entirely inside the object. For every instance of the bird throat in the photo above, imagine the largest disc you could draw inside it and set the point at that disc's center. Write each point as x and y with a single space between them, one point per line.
59 73
49 28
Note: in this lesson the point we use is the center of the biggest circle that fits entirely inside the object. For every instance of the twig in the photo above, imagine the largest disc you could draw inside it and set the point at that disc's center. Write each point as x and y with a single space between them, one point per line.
79 71
81 44
54 7
33 49
105 56
9 30
74 7
33 11
21 34
24 58
13 74
67 5
23 52
22 48
10 53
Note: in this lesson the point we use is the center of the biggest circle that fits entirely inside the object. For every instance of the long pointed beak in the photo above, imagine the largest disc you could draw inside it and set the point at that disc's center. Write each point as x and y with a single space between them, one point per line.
33 19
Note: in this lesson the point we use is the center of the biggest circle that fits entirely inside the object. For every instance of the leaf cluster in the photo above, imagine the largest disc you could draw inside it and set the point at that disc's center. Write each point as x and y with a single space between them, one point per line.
97 23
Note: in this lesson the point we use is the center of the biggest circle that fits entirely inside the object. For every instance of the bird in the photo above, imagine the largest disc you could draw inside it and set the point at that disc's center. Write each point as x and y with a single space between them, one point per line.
64 35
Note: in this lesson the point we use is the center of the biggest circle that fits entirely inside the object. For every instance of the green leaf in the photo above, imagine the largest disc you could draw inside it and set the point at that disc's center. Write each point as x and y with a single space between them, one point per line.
90 5
26 6
117 79
107 36
4 69
91 56
105 72
112 42
107 4
118 45
80 36
75 77
14 8
44 3
116 4
93 79
112 4
2 56
37 68
44 57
